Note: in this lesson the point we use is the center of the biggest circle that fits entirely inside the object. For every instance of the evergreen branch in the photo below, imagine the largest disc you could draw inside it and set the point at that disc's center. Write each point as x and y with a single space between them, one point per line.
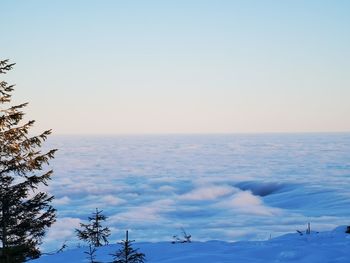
5 66
25 213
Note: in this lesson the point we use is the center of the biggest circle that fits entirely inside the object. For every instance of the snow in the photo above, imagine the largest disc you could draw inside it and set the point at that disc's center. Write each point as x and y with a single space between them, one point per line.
330 246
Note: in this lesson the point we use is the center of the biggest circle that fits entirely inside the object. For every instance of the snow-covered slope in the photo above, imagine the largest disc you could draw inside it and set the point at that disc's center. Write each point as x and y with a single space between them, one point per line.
332 246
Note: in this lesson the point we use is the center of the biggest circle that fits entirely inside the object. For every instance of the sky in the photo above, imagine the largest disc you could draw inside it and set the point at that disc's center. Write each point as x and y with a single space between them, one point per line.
184 66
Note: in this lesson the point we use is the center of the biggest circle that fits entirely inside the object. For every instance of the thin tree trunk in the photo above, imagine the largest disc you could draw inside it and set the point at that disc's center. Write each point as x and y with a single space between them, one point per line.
126 246
4 231
97 230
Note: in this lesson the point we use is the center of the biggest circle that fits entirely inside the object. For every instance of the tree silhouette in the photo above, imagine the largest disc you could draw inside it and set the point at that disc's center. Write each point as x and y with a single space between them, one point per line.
186 238
94 233
25 211
127 254
91 254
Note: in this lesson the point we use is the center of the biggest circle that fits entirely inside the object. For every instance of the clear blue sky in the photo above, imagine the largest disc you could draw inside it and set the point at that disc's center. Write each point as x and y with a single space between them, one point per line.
184 66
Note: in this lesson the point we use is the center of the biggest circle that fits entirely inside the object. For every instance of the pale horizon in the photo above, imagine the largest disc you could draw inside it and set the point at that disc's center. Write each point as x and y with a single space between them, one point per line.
200 134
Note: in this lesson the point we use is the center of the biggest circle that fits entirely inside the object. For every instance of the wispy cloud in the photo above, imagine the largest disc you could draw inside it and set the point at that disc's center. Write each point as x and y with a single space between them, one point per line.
112 200
144 213
63 230
209 192
62 201
247 203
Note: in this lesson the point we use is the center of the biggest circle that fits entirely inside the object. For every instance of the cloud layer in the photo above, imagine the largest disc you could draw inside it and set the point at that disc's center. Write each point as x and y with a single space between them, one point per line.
217 187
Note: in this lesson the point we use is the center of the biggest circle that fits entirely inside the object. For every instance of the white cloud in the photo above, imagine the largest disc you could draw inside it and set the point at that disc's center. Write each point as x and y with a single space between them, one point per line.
210 192
149 212
112 200
89 187
63 229
246 202
62 201
167 188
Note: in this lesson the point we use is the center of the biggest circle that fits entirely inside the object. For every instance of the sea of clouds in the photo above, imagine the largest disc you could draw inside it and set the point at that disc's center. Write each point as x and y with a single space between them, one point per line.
224 187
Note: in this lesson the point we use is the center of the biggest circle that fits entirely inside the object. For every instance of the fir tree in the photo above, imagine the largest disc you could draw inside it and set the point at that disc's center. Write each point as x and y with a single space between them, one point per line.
94 233
25 211
91 254
127 254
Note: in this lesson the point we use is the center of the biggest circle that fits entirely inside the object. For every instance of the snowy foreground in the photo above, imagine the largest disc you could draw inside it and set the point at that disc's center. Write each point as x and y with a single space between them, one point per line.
332 246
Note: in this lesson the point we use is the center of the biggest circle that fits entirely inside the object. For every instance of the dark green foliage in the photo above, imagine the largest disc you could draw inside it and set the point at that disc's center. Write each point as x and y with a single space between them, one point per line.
93 233
127 254
25 211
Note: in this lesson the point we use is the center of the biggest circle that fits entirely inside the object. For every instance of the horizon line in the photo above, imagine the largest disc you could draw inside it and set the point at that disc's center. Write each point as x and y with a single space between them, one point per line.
199 133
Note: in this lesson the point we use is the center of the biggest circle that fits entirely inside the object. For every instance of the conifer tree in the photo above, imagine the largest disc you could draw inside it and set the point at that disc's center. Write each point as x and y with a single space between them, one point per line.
25 211
93 233
91 254
127 254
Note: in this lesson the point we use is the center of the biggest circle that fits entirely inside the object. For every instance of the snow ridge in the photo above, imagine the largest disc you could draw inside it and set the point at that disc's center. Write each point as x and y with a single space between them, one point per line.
331 246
